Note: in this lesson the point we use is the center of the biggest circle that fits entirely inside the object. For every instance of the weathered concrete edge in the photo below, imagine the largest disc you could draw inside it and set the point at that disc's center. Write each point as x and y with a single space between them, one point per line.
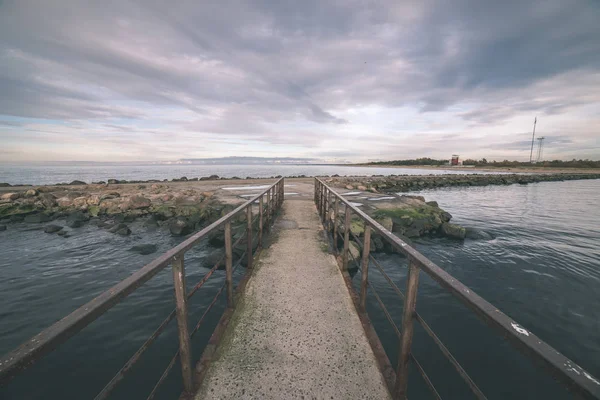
383 362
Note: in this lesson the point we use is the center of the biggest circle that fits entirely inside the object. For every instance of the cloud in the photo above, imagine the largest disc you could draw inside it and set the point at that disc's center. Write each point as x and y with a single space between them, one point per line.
300 78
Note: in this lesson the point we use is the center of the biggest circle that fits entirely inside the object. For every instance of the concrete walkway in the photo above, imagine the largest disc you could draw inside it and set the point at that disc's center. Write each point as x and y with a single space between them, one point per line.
295 334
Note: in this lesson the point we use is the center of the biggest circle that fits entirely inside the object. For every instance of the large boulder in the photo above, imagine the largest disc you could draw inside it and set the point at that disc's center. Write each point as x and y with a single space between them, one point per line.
181 226
31 193
46 200
77 219
110 195
76 182
10 196
453 231
52 228
144 249
139 202
120 229
37 218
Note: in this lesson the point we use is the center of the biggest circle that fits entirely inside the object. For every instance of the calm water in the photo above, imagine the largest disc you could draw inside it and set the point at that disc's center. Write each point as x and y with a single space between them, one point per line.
542 269
44 174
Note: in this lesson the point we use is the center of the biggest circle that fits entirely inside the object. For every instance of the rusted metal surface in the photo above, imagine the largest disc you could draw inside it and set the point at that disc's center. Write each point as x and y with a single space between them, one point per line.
249 235
260 221
228 265
185 352
336 210
428 382
346 237
472 385
410 301
575 378
365 267
29 352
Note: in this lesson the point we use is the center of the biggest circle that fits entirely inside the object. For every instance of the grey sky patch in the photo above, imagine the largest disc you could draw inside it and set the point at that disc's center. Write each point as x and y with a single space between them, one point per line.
392 79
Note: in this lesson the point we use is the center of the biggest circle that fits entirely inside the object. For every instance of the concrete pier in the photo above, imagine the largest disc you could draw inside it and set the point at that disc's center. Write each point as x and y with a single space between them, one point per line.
295 333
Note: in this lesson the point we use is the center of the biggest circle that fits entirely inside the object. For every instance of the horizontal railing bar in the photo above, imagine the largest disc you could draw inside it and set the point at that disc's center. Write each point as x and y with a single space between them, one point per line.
163 376
385 311
214 301
474 388
205 278
56 334
432 388
136 356
386 276
567 371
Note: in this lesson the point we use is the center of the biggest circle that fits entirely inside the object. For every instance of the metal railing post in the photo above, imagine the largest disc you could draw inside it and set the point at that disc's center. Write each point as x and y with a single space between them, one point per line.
410 301
268 210
365 267
335 213
249 235
328 211
185 352
228 264
260 221
346 238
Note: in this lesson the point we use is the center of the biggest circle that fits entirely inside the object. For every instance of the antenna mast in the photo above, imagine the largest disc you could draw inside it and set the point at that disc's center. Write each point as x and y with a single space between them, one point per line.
532 141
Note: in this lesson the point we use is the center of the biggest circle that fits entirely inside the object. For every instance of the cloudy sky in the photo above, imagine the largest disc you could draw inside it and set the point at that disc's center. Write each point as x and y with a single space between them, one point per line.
337 80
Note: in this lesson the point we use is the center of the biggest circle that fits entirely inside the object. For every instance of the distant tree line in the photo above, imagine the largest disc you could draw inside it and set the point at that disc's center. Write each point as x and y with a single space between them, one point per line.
418 161
552 164
506 163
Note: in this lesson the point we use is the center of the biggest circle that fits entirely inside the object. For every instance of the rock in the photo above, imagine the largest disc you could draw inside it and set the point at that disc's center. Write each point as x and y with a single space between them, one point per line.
37 218
17 218
80 201
432 204
362 188
213 257
52 228
453 231
77 183
181 226
47 200
77 219
31 193
354 254
144 249
2 228
213 177
120 229
4 184
63 233
10 196
93 210
113 181
139 202
386 222
64 202
445 216
110 195
349 187
93 200
478 234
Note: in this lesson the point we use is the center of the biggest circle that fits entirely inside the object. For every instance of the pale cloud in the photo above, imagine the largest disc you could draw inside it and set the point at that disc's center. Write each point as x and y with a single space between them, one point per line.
157 80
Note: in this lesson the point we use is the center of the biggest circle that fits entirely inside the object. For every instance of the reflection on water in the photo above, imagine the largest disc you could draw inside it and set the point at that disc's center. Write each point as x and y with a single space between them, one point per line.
542 268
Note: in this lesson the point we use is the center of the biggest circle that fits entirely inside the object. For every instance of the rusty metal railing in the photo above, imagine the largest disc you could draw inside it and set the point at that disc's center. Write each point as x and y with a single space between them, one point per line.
15 362
328 204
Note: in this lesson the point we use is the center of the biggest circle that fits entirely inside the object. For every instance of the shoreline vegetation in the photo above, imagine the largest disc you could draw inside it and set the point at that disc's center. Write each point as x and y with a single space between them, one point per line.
551 165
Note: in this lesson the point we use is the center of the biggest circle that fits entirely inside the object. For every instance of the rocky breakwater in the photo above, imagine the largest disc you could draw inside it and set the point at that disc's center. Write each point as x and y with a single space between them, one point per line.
408 217
180 210
405 183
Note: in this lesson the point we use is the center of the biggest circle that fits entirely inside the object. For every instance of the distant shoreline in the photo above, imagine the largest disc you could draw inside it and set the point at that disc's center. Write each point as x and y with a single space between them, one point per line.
549 170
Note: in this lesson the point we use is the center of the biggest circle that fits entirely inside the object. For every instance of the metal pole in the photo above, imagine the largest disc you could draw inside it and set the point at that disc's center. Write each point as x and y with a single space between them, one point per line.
532 140
328 211
185 351
365 267
410 301
346 238
228 265
335 213
249 235
268 210
260 221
